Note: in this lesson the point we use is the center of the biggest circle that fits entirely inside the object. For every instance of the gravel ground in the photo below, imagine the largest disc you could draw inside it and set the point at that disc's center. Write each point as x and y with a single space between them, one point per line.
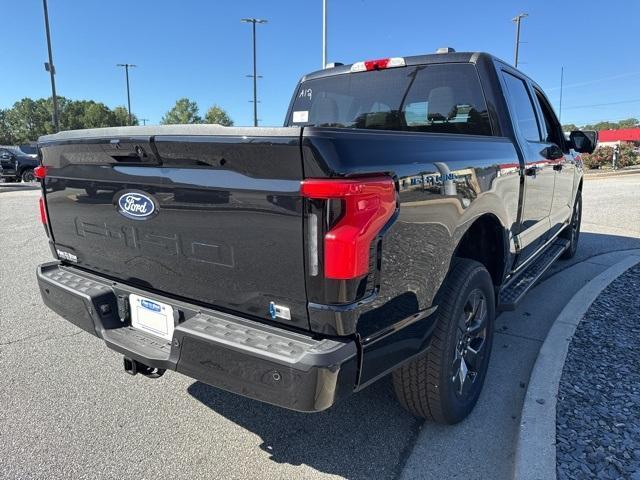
598 416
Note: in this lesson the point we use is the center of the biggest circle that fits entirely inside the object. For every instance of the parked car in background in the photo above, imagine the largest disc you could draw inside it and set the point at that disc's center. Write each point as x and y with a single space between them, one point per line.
17 163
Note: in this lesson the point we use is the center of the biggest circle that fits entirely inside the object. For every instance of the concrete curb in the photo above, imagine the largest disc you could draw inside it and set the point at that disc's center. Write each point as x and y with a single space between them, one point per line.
536 450
613 173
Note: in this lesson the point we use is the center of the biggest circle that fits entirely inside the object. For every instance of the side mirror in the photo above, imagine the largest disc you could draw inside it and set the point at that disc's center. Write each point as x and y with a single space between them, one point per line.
584 141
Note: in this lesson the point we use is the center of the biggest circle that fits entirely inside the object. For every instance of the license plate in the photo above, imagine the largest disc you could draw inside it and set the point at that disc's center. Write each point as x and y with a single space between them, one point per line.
151 316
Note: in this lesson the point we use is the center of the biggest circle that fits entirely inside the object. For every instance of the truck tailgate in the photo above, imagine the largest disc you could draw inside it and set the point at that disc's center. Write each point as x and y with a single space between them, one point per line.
214 217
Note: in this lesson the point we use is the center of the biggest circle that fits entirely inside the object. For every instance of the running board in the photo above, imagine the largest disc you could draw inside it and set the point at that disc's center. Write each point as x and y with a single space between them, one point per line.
513 291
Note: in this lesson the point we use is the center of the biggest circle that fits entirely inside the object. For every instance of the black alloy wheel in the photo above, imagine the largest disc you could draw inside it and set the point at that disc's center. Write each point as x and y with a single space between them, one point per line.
572 231
471 341
443 383
28 176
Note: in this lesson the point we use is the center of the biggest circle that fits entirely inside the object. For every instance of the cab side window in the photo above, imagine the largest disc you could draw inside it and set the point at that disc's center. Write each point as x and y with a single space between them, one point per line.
552 125
523 111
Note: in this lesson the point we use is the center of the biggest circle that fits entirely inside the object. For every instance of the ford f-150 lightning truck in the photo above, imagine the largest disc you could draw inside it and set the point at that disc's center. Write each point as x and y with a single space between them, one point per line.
404 203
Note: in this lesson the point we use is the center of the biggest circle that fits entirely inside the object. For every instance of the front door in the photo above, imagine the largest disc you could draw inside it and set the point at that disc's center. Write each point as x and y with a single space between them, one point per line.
563 164
539 174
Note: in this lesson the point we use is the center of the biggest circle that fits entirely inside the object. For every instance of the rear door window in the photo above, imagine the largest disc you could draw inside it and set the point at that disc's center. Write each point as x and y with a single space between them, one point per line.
428 98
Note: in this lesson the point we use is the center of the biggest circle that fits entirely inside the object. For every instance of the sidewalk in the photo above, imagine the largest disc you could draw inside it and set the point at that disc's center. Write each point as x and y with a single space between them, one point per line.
598 410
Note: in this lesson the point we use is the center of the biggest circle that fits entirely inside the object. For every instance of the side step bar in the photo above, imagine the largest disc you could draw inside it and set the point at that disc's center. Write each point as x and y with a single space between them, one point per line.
512 292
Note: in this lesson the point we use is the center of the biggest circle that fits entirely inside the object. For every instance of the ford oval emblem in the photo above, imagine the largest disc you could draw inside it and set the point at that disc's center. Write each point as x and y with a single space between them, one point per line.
137 206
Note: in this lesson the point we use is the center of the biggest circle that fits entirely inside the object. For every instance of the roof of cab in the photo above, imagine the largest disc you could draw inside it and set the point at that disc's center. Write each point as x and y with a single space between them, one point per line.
453 57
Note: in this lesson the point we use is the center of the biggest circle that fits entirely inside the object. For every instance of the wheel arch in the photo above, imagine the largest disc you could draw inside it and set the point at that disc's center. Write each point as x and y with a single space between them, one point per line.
486 241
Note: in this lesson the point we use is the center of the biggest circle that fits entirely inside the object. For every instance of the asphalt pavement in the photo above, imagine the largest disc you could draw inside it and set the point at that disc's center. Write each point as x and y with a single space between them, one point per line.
69 410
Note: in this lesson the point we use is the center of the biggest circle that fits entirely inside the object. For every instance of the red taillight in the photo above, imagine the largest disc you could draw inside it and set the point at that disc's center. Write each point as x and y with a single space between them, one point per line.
368 203
380 64
40 172
43 212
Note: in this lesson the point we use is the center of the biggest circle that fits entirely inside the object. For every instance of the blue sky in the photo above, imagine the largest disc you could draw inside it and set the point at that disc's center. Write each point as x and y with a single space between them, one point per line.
201 50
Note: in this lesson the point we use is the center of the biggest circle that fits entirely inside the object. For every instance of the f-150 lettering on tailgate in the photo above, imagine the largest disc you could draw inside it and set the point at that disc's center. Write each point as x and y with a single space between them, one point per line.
154 242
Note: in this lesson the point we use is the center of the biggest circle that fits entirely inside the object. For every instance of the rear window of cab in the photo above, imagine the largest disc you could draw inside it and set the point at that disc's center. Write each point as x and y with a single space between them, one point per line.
441 98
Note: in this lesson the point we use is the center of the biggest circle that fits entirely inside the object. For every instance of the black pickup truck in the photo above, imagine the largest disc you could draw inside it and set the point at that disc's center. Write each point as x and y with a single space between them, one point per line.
18 162
403 204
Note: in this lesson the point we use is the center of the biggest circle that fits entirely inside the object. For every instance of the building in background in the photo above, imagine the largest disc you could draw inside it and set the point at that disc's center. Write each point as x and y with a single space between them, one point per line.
610 138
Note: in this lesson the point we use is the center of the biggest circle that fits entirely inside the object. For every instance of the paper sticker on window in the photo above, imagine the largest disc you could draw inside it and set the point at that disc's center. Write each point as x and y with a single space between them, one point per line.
301 116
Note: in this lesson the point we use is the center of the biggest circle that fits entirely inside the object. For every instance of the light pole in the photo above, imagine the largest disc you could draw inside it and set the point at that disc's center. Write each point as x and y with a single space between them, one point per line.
253 21
324 34
51 69
517 21
561 86
126 70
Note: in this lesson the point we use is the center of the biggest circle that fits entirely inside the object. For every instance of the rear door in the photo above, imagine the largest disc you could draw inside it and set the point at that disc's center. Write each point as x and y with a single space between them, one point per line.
213 219
539 175
7 162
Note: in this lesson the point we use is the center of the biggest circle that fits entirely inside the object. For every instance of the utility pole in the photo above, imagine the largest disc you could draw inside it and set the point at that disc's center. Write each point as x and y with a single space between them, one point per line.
253 21
126 70
49 67
324 34
517 20
561 85
144 121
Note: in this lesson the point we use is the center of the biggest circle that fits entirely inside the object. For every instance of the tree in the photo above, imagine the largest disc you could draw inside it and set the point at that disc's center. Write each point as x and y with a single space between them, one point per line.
601 126
184 111
6 138
28 119
628 123
97 115
122 117
215 114
569 127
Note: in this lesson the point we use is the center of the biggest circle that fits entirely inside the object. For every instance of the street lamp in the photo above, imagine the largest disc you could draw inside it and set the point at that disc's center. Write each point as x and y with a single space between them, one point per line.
517 20
126 69
253 21
49 67
324 33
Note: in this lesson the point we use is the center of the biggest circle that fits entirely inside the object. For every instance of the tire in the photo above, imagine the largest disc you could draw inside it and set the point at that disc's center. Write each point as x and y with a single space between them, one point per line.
572 231
430 385
28 176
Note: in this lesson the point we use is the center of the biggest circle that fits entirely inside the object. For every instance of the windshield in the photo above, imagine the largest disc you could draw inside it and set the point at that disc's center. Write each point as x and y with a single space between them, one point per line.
29 149
434 98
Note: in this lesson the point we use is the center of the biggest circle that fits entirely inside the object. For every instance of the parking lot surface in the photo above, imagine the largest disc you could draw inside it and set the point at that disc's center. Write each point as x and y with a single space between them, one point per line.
70 411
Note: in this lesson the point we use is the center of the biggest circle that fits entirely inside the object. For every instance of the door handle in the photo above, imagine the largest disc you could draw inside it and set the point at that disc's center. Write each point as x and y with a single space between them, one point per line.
557 167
